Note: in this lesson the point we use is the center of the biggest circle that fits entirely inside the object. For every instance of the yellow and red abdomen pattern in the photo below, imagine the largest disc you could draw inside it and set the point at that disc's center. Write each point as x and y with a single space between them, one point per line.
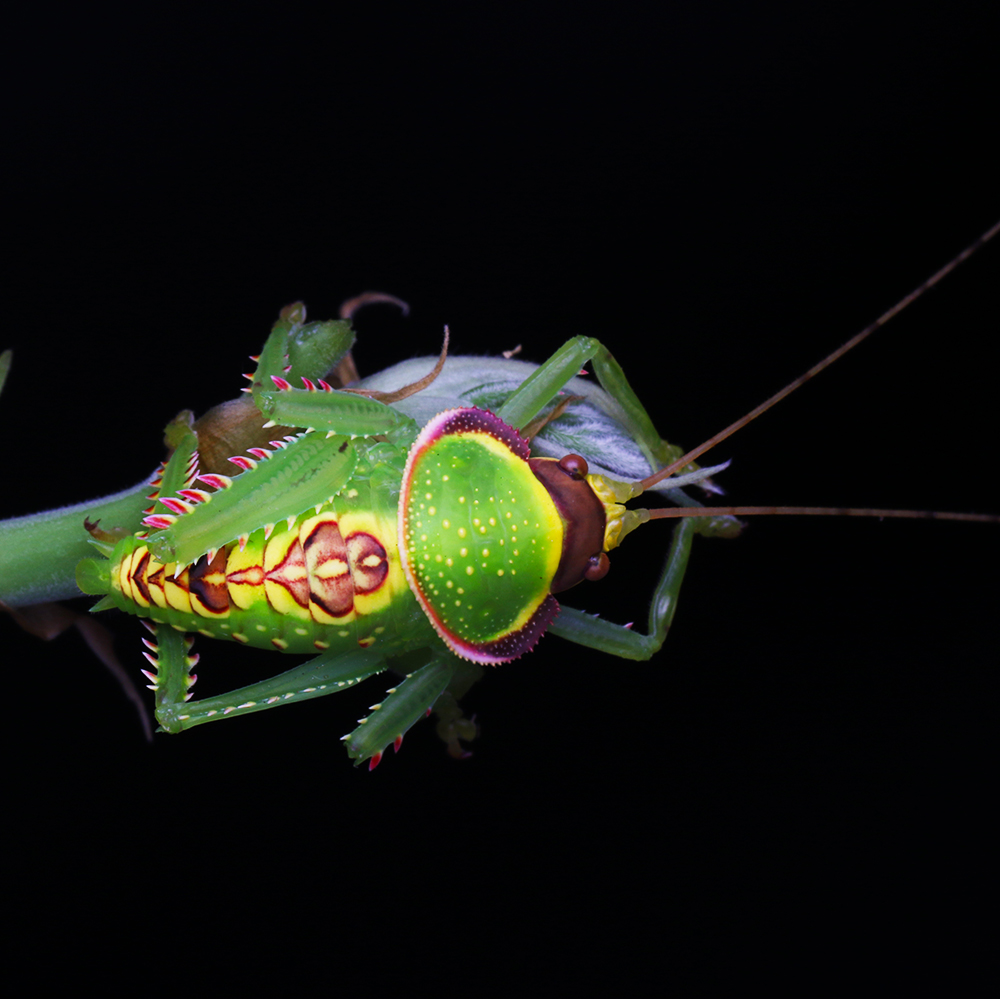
331 580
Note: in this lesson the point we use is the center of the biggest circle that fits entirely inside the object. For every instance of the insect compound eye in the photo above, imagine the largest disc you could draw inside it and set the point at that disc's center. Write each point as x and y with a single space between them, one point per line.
574 465
598 567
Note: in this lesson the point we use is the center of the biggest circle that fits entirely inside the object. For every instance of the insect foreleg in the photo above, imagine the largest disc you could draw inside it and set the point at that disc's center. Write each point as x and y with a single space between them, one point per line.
595 633
619 401
548 380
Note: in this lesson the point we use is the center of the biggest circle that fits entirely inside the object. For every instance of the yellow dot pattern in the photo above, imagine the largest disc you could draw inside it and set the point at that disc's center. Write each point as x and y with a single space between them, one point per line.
482 537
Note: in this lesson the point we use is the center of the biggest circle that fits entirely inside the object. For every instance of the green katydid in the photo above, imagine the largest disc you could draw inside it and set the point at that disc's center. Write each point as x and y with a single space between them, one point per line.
413 532
384 544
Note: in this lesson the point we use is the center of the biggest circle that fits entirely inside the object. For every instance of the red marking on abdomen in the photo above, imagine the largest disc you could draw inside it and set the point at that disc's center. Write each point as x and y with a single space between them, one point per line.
207 583
291 573
331 587
369 562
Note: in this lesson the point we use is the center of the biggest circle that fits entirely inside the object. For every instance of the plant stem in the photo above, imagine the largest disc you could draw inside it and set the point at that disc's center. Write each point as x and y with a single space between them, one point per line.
39 552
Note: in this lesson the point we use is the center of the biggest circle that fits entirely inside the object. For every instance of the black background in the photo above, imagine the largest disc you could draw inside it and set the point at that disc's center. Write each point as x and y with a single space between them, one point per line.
794 788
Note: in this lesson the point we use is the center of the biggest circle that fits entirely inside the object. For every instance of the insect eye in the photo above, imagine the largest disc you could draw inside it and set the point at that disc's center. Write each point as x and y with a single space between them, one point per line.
574 466
598 567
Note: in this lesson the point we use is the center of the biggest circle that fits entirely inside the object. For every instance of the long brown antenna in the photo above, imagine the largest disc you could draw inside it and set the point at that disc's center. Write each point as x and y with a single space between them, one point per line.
813 511
686 459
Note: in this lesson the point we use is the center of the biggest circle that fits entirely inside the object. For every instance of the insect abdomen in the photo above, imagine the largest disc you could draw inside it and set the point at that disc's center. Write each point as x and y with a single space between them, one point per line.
332 579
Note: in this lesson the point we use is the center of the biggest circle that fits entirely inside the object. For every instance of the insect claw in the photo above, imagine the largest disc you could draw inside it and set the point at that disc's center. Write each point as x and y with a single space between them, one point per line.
374 761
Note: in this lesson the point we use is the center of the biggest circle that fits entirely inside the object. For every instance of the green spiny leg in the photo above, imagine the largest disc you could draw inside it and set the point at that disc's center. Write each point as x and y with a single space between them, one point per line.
296 349
286 481
525 403
542 386
335 412
183 462
328 673
406 704
173 679
595 633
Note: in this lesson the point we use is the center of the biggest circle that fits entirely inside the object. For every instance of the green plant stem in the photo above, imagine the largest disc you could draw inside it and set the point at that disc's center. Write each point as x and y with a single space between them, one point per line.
39 552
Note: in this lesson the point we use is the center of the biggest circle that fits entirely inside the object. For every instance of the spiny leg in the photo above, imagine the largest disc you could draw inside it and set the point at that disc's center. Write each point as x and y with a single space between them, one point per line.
296 349
523 406
595 633
407 702
323 408
328 673
280 483
172 680
548 380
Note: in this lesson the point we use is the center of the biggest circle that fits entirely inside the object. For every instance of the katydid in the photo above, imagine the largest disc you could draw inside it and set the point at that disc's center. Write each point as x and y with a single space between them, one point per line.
422 527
